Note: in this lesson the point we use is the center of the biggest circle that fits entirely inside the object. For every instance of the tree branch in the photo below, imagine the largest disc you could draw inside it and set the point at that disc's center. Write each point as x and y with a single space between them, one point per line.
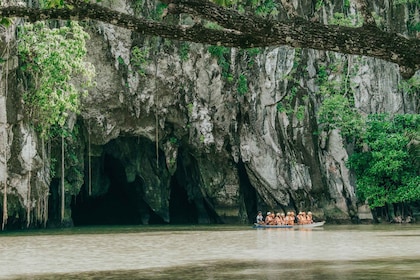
227 18
247 31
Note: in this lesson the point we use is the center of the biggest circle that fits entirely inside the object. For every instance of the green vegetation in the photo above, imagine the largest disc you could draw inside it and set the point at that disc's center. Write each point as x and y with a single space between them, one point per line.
137 6
173 140
250 55
336 112
300 113
337 109
343 20
190 108
50 58
74 162
387 160
139 59
158 12
242 84
411 86
221 53
184 51
265 7
5 22
290 104
319 4
287 106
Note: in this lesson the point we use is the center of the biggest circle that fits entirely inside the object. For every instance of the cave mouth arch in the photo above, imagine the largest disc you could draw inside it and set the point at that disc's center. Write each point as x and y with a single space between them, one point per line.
123 204
115 207
121 199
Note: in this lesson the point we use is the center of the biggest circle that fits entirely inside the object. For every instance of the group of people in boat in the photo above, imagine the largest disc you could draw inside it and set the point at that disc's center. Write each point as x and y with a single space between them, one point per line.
290 218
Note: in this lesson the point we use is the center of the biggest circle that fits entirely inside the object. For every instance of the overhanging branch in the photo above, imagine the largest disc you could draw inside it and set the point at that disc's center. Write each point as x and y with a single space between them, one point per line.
247 30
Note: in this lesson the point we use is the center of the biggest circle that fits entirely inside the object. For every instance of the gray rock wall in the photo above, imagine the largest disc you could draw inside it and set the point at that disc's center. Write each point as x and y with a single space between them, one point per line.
232 152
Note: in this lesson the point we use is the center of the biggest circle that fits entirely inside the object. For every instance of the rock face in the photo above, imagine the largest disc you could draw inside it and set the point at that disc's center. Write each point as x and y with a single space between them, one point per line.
185 140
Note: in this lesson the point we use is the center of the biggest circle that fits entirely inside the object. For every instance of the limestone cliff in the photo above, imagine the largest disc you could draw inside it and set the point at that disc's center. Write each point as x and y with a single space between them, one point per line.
179 140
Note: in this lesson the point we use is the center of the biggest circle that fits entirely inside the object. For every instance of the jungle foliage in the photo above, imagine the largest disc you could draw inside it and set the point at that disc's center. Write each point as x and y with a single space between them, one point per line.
387 160
51 59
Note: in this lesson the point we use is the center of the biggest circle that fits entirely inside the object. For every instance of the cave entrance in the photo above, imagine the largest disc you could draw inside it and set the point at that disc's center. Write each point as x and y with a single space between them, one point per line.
249 193
181 209
116 207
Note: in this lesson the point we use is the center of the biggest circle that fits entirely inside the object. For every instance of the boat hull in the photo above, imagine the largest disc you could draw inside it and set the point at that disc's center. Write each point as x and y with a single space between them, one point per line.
313 225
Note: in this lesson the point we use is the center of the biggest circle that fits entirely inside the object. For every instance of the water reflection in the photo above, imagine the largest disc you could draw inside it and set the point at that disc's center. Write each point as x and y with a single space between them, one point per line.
341 252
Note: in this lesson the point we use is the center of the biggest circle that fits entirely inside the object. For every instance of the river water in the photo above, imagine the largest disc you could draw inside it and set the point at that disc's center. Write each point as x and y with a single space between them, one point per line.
213 252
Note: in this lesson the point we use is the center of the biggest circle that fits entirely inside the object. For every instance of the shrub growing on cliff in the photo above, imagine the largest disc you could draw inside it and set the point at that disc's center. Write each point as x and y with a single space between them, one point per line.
386 164
51 59
336 112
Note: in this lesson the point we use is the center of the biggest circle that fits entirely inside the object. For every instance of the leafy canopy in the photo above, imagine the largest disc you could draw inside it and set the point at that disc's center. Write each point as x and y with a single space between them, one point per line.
387 162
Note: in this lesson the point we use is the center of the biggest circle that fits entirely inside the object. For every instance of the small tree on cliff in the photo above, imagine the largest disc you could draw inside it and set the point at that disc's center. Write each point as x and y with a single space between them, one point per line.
246 29
386 162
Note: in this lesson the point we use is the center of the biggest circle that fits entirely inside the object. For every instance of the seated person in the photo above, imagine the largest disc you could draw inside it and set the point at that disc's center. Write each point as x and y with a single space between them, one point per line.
277 219
291 219
309 219
283 219
300 218
260 218
287 219
273 219
268 218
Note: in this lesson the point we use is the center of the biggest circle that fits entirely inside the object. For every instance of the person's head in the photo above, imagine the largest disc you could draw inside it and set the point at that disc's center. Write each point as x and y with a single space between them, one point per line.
259 213
268 213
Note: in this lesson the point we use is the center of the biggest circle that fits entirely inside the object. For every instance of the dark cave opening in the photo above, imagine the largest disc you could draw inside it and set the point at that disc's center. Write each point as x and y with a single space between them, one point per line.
181 209
124 203
116 207
249 193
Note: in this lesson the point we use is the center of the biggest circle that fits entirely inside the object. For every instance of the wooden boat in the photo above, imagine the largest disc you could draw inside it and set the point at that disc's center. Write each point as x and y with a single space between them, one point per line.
312 225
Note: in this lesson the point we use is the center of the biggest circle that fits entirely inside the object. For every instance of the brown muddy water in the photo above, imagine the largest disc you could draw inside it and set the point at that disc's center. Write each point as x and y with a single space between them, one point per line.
213 252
